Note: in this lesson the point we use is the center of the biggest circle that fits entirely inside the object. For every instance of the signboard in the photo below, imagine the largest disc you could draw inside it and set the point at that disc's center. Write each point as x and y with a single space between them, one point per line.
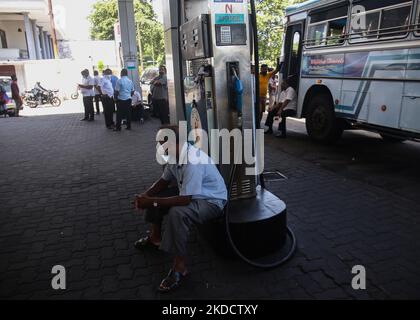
227 18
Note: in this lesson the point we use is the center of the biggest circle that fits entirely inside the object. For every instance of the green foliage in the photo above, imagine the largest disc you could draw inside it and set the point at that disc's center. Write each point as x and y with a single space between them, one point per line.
105 14
270 15
101 66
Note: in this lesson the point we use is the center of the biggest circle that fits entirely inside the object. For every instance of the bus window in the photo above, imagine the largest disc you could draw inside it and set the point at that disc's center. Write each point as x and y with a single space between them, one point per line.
371 27
336 31
327 27
395 20
417 27
294 58
381 19
317 34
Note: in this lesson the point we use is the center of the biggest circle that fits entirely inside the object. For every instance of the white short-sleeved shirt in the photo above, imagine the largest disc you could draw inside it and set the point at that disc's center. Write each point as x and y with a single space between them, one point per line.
88 81
198 178
136 98
97 81
106 87
289 94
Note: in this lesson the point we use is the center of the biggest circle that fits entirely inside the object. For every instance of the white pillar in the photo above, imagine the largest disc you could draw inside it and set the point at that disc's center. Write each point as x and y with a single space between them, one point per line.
42 42
29 37
36 40
47 45
128 40
51 47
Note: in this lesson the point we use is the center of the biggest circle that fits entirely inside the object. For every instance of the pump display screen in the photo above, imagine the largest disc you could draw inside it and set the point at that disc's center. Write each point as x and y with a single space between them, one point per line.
230 29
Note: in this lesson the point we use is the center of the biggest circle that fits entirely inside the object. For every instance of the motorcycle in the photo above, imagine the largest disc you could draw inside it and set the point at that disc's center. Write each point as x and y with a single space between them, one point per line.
32 98
8 109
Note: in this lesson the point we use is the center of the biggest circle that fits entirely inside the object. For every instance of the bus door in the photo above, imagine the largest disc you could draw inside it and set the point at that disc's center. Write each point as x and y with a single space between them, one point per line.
293 53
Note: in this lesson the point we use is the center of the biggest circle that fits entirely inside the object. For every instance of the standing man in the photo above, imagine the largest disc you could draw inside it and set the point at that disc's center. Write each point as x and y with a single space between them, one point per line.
114 80
97 80
159 89
200 196
264 78
107 96
88 94
124 89
16 94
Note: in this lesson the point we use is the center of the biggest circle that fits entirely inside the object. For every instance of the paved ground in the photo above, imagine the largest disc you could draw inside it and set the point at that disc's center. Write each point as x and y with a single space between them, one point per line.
65 191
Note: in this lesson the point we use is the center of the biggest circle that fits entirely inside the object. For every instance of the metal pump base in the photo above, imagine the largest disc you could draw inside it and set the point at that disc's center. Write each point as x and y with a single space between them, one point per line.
258 227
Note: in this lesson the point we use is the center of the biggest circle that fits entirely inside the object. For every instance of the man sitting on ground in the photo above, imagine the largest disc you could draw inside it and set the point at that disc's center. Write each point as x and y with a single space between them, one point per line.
199 197
286 107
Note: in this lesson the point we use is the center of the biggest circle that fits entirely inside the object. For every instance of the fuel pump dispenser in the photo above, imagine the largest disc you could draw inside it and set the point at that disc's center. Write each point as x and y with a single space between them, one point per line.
215 70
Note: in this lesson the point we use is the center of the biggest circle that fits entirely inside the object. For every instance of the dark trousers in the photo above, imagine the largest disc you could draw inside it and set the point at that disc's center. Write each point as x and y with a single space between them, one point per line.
263 104
109 108
284 115
97 99
137 112
88 104
179 221
282 125
18 102
123 112
162 107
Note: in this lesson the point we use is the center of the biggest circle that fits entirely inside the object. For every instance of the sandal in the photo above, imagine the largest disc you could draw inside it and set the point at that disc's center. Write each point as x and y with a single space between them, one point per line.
172 281
144 243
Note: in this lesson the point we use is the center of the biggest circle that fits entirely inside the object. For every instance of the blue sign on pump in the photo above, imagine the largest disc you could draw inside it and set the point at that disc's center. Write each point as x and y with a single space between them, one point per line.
226 18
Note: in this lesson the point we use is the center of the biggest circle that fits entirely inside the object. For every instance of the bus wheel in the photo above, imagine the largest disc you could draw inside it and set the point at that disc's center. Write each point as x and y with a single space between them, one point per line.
391 139
321 123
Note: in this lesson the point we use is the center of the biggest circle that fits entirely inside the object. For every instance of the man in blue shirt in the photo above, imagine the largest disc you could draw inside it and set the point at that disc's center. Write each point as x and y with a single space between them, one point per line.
200 196
114 80
124 89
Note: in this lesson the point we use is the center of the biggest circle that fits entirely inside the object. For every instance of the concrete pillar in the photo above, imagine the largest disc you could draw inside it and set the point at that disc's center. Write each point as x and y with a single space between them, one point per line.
47 45
42 42
36 40
128 40
174 65
50 54
30 41
52 47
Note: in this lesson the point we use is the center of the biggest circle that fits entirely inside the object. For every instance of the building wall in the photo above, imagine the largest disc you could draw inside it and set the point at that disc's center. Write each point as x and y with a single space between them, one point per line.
83 50
14 38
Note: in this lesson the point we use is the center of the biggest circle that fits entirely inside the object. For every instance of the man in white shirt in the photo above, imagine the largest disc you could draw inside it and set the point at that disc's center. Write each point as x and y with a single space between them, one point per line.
286 107
107 96
137 108
200 196
97 80
88 93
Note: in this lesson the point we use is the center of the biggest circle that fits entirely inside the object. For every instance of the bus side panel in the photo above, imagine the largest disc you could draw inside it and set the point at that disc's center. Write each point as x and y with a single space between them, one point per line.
304 86
386 96
410 113
333 85
351 97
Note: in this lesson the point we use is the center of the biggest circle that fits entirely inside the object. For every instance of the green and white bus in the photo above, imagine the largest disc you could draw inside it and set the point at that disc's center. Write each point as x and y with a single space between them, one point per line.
355 64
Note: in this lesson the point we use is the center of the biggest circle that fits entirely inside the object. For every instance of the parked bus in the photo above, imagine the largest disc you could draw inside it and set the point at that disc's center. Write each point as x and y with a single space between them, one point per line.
355 64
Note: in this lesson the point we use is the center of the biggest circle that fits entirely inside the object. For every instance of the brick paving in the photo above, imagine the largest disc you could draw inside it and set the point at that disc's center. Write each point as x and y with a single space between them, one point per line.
65 192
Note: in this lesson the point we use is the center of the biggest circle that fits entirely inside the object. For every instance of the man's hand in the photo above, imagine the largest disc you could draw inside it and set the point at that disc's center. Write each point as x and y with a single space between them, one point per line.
142 201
